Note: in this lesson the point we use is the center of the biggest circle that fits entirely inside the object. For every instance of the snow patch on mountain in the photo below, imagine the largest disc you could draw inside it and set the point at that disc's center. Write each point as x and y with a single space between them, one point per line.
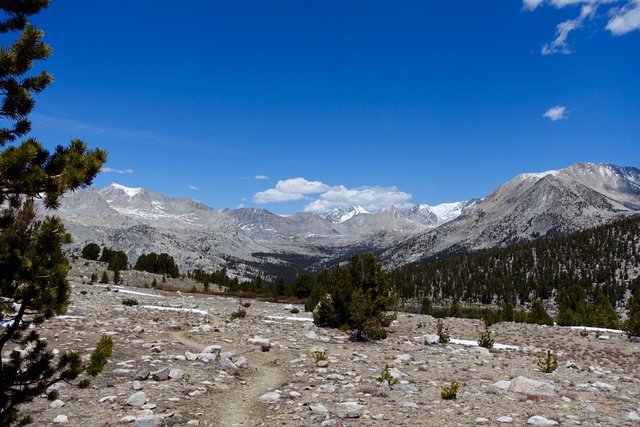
131 192
340 215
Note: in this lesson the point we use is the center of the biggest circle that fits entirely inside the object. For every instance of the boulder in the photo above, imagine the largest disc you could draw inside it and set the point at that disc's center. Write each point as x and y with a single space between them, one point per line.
137 399
538 420
161 375
531 387
61 419
270 397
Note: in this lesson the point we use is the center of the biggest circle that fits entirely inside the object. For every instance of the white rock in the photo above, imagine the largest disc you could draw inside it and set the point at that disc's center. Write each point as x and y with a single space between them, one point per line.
270 397
403 358
127 419
349 410
395 373
604 386
148 421
504 419
287 307
294 394
137 399
213 349
57 404
538 420
329 423
259 341
207 357
319 408
633 416
190 356
531 387
312 336
137 385
410 405
481 420
603 338
61 419
176 373
503 385
110 399
241 362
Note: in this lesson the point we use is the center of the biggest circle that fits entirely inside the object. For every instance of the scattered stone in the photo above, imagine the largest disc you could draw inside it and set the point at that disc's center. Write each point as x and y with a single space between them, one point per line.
531 387
212 349
604 386
137 399
142 375
148 421
330 422
176 373
61 419
633 416
190 356
410 405
319 408
481 420
503 385
294 394
259 341
57 404
108 399
504 419
161 375
322 363
312 335
241 362
137 385
270 397
538 420
349 410
156 349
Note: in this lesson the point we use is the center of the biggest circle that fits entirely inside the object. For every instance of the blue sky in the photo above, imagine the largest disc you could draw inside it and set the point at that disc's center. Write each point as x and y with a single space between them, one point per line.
338 102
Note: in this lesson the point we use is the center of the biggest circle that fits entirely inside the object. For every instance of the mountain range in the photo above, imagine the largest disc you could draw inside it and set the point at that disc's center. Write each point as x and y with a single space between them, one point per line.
250 241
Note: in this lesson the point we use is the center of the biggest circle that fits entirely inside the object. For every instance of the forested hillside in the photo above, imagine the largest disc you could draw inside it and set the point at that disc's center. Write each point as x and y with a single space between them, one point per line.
587 267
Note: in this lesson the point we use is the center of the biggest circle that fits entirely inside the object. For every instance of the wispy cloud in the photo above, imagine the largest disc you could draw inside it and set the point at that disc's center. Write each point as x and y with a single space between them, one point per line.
559 112
261 177
623 17
192 187
116 170
323 198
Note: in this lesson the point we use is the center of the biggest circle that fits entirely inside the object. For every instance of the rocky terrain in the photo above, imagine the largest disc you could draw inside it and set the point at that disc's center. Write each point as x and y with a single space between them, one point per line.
179 360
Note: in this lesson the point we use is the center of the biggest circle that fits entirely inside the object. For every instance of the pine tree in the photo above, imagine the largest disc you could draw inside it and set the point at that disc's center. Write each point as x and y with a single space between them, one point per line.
632 324
358 298
91 251
33 267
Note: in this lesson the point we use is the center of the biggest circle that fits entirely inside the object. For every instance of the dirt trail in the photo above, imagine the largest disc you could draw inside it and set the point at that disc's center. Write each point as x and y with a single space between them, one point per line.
241 405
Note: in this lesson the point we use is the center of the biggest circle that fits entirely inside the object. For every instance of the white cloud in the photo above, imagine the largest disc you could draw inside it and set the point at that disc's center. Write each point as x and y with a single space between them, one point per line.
559 112
626 20
559 44
118 171
624 17
531 4
192 187
261 177
290 189
371 198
